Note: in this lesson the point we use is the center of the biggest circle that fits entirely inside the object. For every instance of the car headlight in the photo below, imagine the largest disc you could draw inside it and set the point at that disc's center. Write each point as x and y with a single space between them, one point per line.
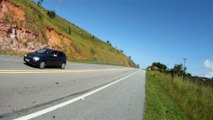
36 58
25 55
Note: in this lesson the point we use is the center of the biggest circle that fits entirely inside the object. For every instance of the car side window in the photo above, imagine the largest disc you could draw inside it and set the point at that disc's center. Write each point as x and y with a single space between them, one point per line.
60 54
54 53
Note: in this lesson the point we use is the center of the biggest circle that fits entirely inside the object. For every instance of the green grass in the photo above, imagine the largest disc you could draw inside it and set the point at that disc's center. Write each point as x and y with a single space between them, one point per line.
190 100
159 106
89 47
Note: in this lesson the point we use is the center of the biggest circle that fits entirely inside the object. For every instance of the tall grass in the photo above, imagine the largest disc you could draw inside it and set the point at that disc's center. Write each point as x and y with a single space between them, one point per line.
160 106
196 101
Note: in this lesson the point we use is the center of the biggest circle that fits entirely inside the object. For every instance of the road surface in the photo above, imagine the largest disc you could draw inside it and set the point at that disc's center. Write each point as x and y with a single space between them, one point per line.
80 92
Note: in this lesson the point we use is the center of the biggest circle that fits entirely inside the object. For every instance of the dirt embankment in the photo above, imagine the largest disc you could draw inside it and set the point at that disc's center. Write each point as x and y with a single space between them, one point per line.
58 41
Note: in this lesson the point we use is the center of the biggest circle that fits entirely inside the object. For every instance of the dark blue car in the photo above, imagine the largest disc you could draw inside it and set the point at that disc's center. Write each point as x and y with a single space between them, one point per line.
46 57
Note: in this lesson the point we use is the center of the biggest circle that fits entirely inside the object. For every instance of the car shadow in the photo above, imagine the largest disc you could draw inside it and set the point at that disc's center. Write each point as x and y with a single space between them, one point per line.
46 67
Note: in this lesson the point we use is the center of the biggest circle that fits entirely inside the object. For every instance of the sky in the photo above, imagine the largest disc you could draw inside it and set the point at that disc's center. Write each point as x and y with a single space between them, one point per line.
149 31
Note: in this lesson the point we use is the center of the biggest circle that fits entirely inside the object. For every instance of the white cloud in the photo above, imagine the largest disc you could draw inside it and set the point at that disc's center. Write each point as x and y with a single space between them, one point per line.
209 66
208 76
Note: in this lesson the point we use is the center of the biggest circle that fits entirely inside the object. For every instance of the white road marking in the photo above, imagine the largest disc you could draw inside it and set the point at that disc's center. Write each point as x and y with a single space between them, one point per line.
55 107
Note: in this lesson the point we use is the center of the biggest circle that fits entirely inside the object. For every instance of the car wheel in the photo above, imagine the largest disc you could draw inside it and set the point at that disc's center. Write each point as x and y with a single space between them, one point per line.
63 66
42 65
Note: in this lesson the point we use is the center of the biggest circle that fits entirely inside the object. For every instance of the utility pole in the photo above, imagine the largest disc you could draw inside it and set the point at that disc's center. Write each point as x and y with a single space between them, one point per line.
58 5
184 63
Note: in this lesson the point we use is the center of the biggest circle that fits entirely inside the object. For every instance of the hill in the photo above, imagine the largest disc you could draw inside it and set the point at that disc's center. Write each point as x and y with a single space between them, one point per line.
26 26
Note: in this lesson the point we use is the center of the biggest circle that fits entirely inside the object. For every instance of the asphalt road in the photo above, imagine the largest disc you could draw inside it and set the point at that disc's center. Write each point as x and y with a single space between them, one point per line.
80 92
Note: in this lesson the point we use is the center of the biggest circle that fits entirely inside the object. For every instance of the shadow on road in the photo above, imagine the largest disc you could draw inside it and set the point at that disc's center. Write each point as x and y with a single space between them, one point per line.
36 67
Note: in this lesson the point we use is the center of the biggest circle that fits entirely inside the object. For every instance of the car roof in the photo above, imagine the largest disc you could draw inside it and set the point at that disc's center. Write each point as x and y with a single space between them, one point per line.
53 50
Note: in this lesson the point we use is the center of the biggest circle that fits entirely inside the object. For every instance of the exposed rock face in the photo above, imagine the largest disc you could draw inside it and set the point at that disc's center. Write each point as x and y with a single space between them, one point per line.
16 38
13 37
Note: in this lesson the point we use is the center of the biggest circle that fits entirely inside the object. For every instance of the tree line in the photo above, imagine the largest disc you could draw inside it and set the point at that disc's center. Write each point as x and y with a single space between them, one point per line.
180 70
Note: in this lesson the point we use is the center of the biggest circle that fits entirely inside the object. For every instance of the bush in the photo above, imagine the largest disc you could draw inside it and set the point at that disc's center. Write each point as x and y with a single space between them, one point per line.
92 51
108 42
51 14
69 30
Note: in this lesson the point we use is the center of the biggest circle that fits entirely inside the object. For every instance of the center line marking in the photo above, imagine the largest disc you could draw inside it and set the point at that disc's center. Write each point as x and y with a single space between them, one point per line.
60 105
55 71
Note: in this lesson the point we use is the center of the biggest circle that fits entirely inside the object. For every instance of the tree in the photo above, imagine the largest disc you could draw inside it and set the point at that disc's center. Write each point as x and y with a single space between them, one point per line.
51 13
108 42
159 66
189 75
179 69
40 2
93 37
121 51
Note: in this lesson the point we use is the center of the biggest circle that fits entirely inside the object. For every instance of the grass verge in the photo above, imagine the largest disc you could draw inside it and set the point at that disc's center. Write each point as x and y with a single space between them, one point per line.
168 98
159 106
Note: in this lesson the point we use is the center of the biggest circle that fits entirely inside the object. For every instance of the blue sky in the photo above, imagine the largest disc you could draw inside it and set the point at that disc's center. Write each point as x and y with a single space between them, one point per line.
148 30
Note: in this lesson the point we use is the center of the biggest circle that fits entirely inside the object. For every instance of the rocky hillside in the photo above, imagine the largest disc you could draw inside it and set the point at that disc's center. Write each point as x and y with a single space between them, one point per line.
26 27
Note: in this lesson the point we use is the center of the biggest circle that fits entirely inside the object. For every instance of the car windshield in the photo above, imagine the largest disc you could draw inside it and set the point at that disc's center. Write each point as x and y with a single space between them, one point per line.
44 51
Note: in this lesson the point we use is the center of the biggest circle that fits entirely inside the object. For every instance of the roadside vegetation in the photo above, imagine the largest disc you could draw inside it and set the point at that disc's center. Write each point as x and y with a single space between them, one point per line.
159 105
173 94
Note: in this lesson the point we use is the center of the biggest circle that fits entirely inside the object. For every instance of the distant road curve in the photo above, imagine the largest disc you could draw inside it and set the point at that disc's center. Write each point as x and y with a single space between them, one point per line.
81 91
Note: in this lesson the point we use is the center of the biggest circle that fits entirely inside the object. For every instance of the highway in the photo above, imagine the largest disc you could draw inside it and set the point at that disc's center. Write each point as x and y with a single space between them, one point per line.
80 92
